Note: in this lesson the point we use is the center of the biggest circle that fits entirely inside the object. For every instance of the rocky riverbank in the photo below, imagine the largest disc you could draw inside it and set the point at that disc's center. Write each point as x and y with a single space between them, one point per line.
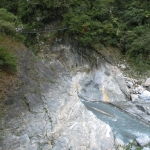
139 101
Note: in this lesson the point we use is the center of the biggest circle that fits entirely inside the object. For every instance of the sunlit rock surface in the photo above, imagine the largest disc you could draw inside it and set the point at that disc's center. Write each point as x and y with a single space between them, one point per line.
47 113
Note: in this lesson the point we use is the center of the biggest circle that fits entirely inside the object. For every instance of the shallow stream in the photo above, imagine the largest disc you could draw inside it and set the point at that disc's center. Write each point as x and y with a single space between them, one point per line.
124 126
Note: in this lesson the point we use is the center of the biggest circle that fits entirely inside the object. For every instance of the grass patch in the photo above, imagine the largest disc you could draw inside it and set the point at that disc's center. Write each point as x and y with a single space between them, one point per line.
49 80
53 68
131 145
52 81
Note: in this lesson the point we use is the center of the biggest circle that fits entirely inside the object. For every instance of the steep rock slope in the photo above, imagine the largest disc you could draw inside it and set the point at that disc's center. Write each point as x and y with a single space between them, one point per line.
47 113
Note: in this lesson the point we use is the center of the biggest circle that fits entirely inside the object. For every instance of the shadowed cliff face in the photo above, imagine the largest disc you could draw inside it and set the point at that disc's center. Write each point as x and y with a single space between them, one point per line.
46 112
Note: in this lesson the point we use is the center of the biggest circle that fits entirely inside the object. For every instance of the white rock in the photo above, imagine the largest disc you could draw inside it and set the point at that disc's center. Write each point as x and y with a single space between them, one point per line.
134 97
119 142
139 88
143 140
132 91
136 81
130 84
146 148
147 83
140 91
145 95
123 67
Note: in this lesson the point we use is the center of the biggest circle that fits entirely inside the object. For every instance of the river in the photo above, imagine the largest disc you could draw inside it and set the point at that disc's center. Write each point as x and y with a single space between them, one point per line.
124 126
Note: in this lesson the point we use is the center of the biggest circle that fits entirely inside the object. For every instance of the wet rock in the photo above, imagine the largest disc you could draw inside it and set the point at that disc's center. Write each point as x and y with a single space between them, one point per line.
147 83
145 95
143 140
147 108
142 108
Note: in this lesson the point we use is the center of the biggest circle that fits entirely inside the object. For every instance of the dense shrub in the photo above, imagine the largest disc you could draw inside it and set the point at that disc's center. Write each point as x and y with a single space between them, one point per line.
7 60
7 22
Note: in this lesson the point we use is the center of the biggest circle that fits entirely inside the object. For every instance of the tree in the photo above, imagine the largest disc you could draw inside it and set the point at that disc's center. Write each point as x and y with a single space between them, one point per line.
7 22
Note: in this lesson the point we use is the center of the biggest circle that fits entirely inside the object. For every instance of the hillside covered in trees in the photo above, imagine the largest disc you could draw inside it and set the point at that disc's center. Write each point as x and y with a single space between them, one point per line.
118 23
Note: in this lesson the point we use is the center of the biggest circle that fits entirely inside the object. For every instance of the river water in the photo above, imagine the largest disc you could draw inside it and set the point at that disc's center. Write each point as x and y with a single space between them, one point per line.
124 126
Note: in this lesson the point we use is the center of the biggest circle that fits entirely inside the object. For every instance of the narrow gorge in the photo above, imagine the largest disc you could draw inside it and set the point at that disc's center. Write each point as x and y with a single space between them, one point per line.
71 98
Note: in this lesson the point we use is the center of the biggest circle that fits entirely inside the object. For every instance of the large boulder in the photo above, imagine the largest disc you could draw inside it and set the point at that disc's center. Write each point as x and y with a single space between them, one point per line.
130 84
145 95
119 144
147 83
143 140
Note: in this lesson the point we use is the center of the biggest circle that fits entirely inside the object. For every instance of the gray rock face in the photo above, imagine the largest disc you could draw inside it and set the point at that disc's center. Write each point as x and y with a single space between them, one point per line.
96 86
143 140
24 139
50 115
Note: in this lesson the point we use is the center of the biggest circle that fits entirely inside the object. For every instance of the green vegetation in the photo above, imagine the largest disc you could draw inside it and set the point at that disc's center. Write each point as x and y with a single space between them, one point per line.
7 60
7 24
8 21
131 145
117 23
